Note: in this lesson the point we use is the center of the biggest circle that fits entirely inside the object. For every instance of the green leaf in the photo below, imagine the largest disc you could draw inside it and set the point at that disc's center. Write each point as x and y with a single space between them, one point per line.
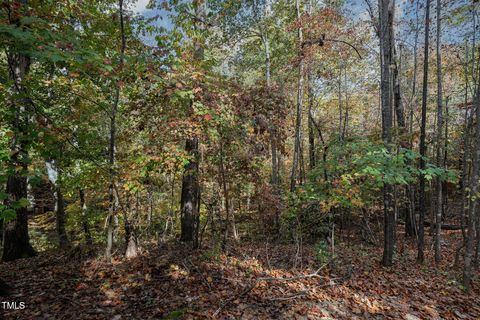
8 214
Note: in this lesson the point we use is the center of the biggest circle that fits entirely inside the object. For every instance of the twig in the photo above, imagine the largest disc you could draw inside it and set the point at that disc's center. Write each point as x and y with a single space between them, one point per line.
268 258
347 43
290 297
322 40
311 275
254 284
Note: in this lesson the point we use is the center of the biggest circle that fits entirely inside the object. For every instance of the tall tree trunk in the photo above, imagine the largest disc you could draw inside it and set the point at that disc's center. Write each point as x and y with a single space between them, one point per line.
401 203
273 142
226 198
474 189
386 17
445 157
275 151
54 177
298 123
131 250
440 155
340 104
397 95
150 208
111 219
190 185
85 224
16 241
190 192
410 221
423 147
311 134
345 122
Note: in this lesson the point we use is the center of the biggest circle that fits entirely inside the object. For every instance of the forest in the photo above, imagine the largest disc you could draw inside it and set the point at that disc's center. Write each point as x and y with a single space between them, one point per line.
239 159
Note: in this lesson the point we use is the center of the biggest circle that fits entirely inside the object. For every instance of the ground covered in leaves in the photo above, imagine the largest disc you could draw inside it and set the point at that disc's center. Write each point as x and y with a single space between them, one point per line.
248 282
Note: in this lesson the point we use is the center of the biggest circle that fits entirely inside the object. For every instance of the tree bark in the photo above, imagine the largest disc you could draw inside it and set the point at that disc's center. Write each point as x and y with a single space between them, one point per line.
111 219
423 147
311 134
226 198
190 185
386 17
473 194
190 192
131 250
298 123
345 122
85 224
410 221
54 177
16 241
440 155
474 181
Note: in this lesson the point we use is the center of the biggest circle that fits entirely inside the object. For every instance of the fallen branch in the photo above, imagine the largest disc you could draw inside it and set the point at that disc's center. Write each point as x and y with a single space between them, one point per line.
312 275
290 297
254 284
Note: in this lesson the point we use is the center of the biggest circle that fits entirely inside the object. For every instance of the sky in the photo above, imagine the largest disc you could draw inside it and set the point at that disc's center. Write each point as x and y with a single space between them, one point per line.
139 6
356 7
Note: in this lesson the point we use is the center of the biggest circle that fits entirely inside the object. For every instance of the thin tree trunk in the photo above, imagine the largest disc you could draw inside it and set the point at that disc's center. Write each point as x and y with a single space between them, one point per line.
112 219
150 209
190 184
386 15
445 156
298 124
468 122
131 250
311 135
474 189
275 152
325 147
423 147
410 225
401 203
440 155
226 198
85 224
345 123
54 177
397 98
340 104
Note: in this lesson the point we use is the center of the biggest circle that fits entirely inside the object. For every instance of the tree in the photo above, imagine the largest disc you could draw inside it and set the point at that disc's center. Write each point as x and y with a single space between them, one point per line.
311 98
54 177
472 227
298 122
440 154
386 14
423 146
112 144
189 202
16 241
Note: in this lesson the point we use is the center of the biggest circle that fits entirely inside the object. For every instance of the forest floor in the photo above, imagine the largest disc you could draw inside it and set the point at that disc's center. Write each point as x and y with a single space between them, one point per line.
250 282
